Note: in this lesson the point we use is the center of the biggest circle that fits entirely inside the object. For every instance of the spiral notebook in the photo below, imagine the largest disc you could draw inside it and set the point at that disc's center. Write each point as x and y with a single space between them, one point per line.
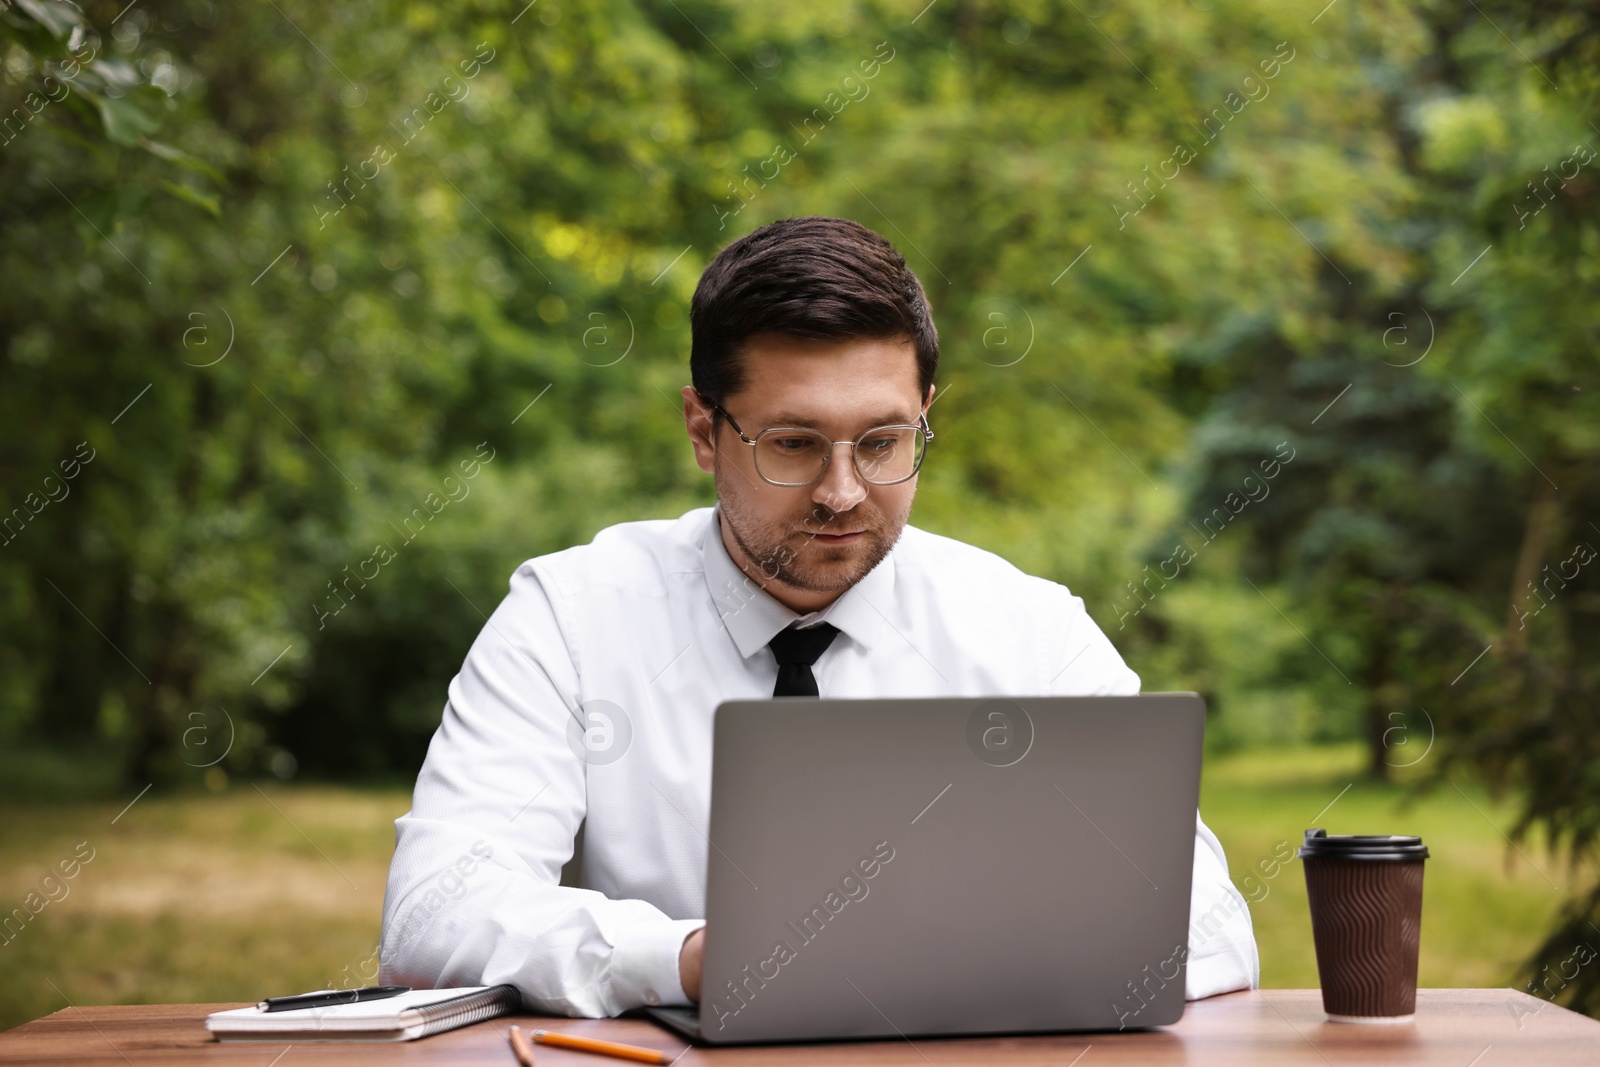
410 1015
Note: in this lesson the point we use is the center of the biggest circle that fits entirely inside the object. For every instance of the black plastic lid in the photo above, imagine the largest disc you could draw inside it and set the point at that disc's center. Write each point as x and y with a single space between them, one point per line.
1319 845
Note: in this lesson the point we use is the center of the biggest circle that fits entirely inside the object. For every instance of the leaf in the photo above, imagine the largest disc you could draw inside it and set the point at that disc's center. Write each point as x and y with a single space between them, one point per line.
183 159
193 196
60 19
125 122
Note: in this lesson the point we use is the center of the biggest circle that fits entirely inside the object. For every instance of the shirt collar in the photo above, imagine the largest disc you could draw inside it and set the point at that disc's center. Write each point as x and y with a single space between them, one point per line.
753 617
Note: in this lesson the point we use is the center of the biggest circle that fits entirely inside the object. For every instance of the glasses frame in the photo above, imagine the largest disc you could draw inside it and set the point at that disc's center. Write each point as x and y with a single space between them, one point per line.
923 428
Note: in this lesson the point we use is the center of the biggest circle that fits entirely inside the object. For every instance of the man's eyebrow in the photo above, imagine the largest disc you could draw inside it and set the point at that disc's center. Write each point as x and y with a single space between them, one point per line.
893 418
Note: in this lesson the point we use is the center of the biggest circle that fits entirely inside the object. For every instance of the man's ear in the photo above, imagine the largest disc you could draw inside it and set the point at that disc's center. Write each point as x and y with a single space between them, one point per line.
697 421
927 401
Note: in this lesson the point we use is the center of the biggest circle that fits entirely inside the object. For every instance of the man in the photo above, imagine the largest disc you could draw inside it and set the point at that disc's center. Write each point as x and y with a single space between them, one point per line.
588 698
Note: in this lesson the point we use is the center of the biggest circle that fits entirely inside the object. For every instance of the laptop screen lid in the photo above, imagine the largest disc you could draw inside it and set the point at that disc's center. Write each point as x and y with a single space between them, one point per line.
903 867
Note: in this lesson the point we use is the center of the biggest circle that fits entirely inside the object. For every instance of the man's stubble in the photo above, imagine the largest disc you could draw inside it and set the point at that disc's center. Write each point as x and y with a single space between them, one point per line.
788 552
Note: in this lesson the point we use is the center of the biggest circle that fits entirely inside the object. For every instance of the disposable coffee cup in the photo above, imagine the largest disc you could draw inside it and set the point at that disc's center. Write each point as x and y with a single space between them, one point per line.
1366 920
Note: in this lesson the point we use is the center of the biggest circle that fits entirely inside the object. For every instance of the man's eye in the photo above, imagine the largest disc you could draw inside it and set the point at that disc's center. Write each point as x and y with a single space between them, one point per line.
793 444
880 444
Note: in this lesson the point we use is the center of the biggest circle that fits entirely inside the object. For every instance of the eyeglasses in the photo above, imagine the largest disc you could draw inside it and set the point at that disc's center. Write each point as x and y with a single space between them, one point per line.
795 456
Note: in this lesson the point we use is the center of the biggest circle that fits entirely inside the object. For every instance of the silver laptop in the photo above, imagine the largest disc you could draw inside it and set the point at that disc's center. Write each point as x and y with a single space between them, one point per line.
896 868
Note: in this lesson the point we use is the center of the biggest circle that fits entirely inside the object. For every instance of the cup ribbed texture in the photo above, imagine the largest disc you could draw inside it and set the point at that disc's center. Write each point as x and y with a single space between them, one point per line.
1366 920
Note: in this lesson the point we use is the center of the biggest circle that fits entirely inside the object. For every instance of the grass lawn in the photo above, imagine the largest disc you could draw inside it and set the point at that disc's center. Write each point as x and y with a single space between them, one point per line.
198 897
1485 904
236 894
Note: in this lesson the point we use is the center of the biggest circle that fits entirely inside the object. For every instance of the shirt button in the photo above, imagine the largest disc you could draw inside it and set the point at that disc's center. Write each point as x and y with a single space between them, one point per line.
651 997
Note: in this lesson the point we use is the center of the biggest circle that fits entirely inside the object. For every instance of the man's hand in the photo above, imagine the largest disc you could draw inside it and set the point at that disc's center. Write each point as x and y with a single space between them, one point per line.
689 963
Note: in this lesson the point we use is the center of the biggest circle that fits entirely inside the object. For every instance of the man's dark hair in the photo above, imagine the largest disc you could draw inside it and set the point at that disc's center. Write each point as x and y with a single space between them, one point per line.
815 278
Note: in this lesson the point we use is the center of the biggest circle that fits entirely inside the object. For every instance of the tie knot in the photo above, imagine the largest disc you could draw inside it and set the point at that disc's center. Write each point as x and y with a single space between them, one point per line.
802 646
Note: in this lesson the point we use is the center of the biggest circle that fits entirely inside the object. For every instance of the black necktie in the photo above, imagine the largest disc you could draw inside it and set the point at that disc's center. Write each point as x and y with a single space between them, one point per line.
796 650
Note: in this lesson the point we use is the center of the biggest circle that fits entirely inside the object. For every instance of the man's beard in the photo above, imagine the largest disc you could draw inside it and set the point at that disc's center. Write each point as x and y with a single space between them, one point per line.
788 552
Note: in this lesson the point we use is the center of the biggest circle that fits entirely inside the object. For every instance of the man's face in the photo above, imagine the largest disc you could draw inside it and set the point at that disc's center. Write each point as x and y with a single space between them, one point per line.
808 544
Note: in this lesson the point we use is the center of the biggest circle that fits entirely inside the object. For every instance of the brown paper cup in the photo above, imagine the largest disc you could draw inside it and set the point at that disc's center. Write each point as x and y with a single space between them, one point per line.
1366 919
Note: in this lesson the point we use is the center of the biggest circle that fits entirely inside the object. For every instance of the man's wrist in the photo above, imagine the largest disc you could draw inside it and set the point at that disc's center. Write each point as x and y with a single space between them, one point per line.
690 957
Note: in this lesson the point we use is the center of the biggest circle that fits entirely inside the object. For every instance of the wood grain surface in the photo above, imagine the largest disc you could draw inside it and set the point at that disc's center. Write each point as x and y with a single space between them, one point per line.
1452 1028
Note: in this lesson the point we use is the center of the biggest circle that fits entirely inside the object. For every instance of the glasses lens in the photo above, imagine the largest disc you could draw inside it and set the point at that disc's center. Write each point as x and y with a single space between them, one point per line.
889 455
791 457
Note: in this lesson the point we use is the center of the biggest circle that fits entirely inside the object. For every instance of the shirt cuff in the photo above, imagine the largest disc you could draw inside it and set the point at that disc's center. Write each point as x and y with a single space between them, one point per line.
644 964
1221 972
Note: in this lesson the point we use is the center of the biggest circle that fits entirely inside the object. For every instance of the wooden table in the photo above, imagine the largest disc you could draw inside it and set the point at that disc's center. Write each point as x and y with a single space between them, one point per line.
1453 1028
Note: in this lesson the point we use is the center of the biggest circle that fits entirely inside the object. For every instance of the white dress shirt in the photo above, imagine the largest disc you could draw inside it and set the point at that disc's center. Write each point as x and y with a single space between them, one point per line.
639 636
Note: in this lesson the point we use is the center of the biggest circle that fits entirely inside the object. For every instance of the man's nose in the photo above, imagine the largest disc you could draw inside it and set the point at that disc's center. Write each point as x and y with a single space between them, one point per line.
840 487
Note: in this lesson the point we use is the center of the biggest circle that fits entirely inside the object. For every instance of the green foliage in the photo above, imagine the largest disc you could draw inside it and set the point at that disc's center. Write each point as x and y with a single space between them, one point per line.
275 273
1435 536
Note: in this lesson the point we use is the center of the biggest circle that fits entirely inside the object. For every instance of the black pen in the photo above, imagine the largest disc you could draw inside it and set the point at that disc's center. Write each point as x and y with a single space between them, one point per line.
332 997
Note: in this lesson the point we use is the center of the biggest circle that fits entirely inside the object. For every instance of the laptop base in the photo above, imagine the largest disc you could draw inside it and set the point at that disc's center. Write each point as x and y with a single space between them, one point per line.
684 1021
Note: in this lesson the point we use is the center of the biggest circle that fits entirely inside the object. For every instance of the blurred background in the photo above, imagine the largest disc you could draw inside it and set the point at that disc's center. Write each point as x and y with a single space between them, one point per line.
1269 329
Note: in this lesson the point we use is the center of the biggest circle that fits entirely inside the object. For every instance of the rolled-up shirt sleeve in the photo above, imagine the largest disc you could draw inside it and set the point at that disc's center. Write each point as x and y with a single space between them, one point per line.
474 894
1222 957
